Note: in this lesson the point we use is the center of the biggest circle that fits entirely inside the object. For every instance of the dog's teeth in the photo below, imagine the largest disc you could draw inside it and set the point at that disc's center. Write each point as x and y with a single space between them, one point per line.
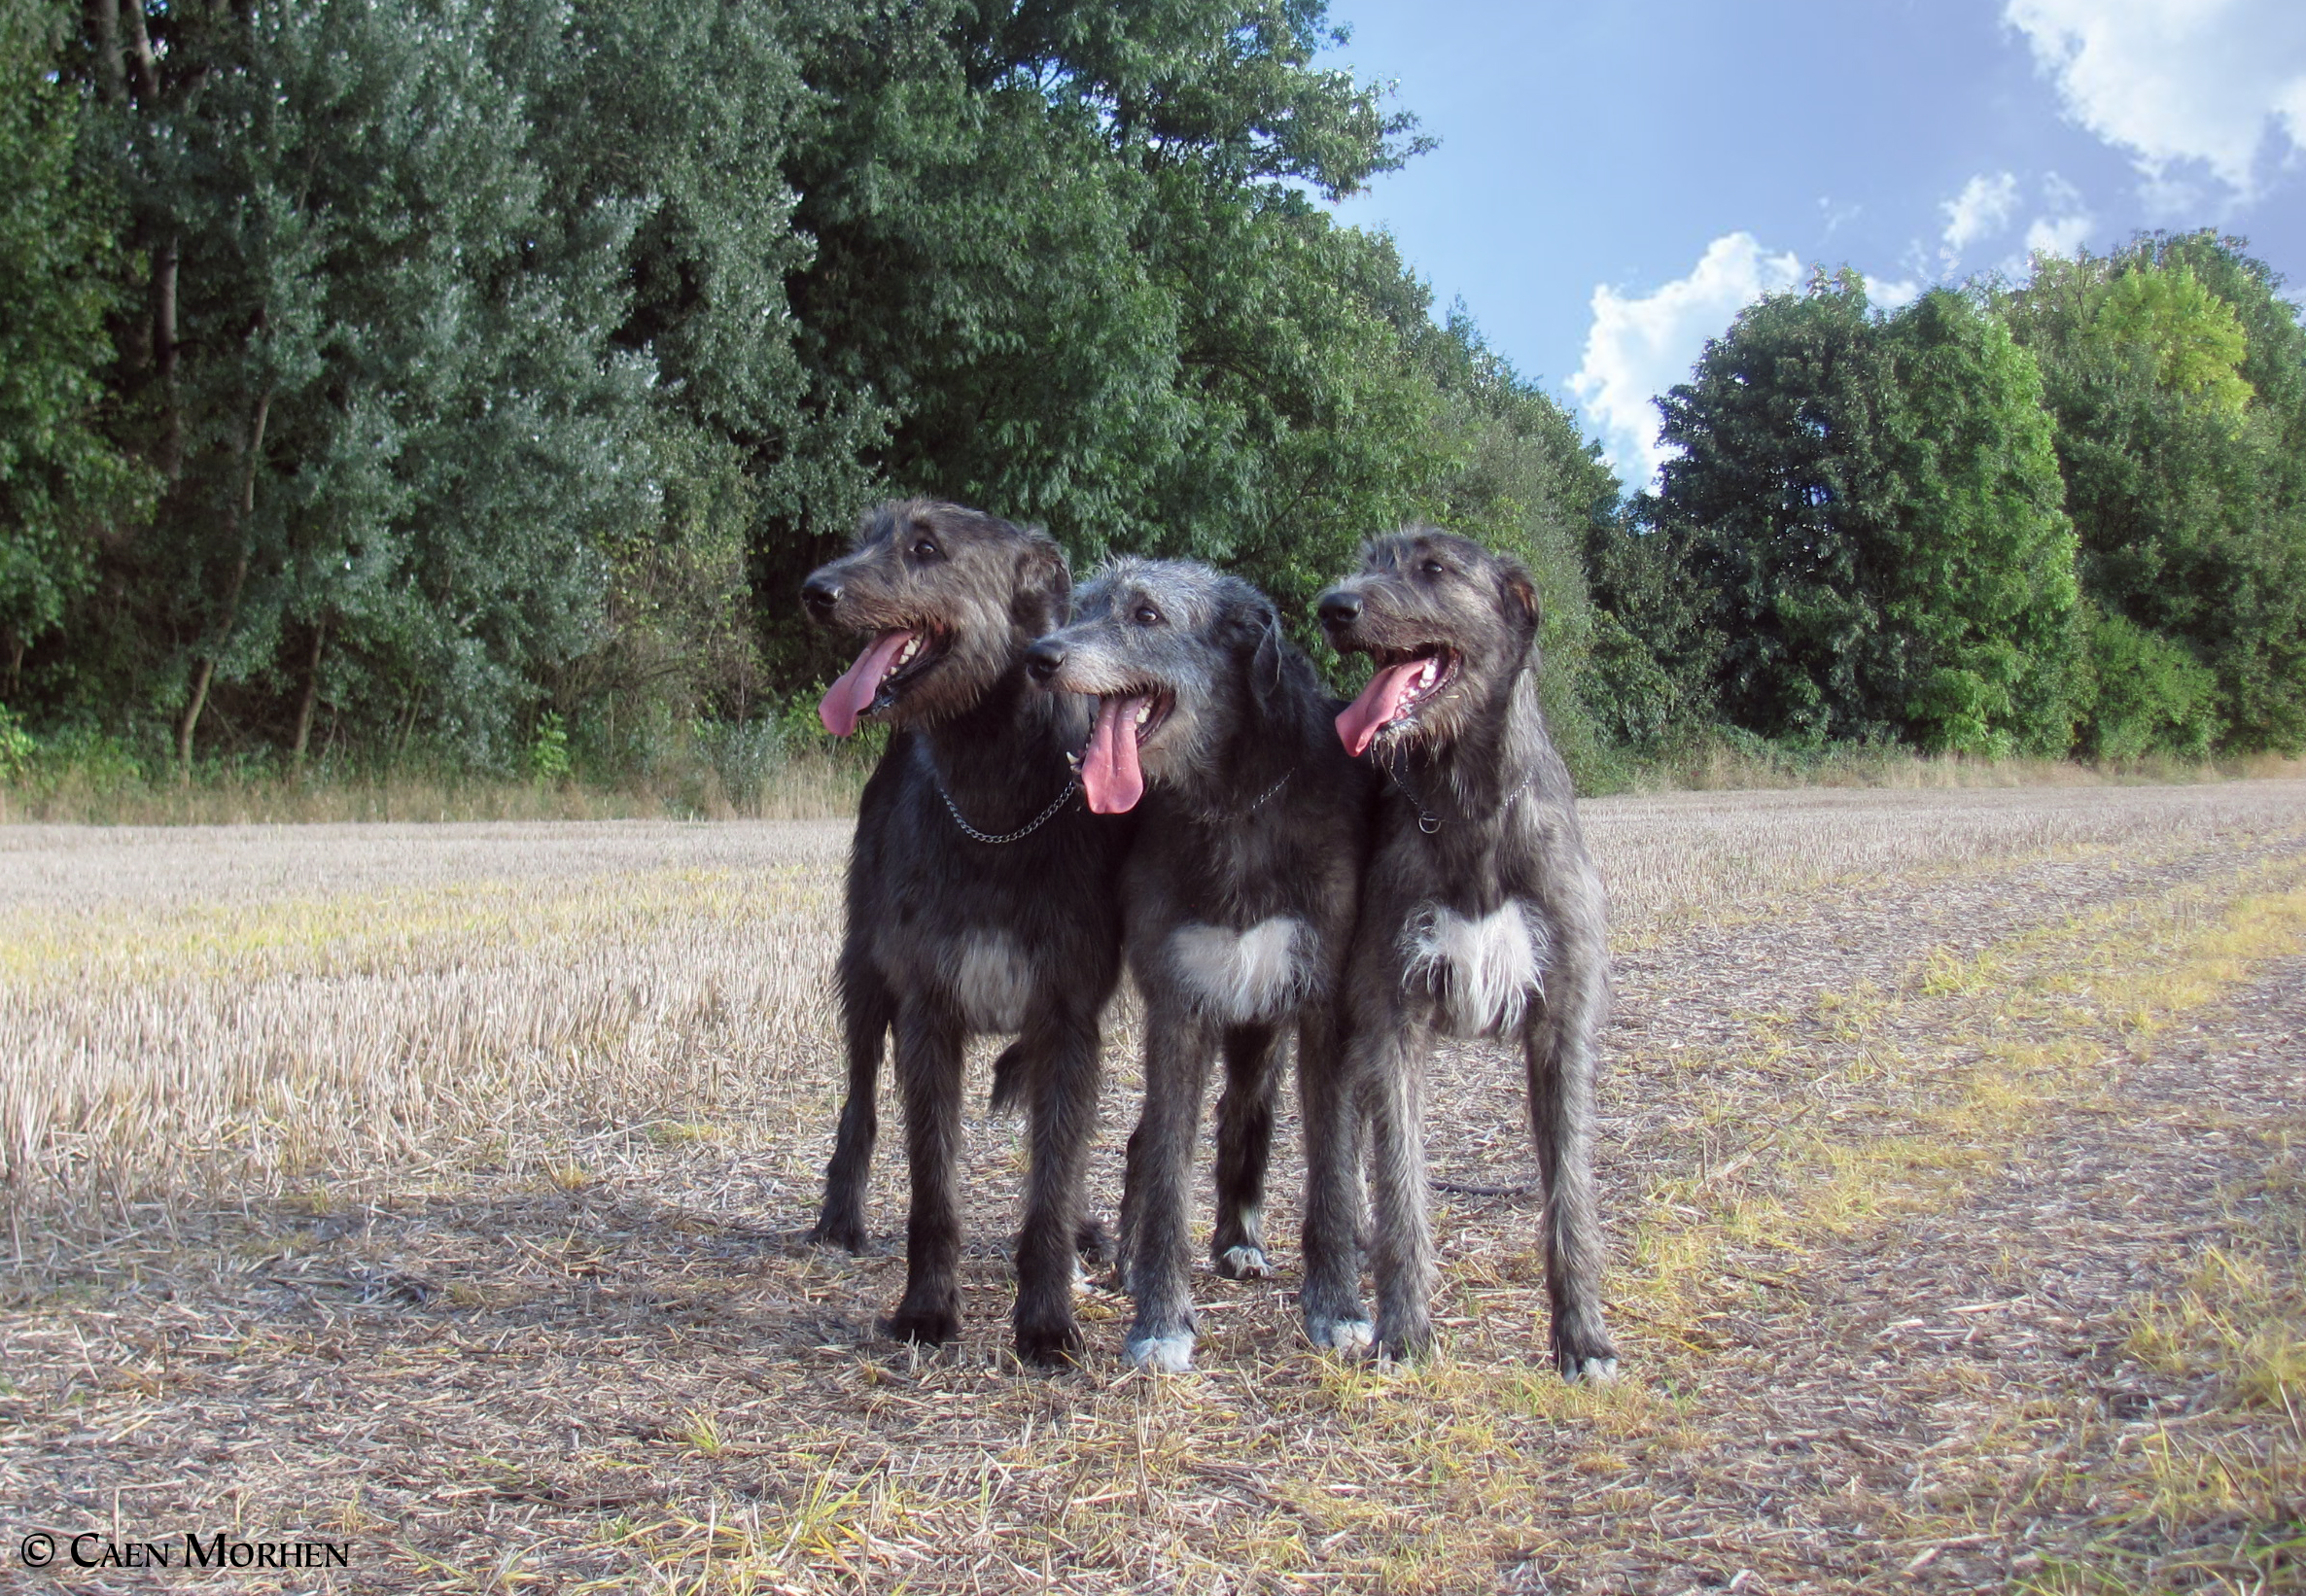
1144 711
1426 678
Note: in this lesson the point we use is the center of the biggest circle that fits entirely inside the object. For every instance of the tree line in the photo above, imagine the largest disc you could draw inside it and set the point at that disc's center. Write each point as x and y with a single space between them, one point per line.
2053 517
472 380
415 374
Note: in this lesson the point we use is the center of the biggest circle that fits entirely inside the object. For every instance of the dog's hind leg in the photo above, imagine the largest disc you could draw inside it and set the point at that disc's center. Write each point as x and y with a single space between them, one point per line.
1560 1046
1010 1072
928 1067
1335 1318
1177 1050
1244 1150
1063 1085
866 1010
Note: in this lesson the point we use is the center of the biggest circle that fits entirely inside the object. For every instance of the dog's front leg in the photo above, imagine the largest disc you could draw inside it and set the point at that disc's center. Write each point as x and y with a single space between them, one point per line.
1244 1150
1335 1318
1560 1046
1177 1049
866 1009
929 1066
1065 1087
1390 1079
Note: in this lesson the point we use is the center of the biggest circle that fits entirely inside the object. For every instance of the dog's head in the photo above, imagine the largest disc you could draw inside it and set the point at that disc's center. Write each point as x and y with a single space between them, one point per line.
950 597
1174 653
1447 622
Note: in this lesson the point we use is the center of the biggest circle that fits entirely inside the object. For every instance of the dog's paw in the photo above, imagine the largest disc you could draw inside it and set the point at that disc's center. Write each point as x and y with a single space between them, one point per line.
1163 1354
1245 1264
1348 1338
1049 1345
846 1233
1591 1371
924 1326
1403 1340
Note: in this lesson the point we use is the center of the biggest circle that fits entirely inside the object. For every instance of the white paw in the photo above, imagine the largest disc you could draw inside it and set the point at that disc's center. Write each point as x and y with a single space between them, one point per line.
1163 1354
1595 1371
1245 1263
1352 1338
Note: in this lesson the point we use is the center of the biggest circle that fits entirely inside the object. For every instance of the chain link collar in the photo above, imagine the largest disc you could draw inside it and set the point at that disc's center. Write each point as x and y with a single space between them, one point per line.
1429 823
1026 830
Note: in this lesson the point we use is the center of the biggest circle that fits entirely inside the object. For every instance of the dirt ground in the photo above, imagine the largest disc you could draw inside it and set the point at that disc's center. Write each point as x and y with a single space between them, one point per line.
1957 1202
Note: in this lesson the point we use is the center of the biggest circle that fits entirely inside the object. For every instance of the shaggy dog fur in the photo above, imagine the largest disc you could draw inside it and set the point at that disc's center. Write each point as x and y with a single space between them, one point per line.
1239 898
981 893
1480 916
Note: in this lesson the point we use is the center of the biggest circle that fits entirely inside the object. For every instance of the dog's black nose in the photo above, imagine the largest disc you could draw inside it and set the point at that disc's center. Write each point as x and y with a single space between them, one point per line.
818 594
1340 608
1044 659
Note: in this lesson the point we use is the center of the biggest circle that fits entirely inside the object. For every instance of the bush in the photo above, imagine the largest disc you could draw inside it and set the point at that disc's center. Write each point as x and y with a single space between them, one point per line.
2153 697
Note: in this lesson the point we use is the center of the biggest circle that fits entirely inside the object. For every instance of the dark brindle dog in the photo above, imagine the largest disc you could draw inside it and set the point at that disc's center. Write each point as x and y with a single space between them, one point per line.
981 896
1481 916
1239 898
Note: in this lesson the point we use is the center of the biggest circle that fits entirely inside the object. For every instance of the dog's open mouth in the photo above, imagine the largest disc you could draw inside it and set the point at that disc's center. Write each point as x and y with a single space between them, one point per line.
1110 775
880 676
1404 681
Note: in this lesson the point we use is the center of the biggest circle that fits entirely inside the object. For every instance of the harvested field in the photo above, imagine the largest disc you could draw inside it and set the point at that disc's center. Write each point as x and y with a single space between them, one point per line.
436 1191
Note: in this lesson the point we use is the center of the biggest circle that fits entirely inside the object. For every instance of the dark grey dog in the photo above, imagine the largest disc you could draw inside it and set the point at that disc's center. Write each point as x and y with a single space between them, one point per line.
980 895
1481 916
1239 898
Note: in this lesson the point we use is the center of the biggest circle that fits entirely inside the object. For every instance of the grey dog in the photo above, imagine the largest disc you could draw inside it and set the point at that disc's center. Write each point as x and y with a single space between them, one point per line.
1238 899
1481 916
980 895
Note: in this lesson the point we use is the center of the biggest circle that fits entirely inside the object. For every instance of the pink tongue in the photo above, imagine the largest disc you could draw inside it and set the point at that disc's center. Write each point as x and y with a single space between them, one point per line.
1359 724
853 695
1109 773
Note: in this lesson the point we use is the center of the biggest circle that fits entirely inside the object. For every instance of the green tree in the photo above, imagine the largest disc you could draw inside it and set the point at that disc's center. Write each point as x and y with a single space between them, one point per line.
375 376
1977 558
1066 250
62 483
2178 376
1869 509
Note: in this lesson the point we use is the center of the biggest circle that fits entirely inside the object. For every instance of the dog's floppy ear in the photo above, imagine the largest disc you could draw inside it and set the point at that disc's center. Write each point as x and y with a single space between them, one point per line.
1262 624
1521 594
1044 587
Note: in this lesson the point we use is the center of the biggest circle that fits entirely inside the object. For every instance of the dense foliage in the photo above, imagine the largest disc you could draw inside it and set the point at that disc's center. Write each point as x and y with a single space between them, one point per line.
472 380
2062 517
495 367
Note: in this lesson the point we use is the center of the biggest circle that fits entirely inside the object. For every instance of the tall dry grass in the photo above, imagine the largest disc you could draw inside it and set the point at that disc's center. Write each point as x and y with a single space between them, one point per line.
188 1013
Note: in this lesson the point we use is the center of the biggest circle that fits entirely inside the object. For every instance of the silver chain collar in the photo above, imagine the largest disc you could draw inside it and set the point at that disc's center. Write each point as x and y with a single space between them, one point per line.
1026 830
1429 823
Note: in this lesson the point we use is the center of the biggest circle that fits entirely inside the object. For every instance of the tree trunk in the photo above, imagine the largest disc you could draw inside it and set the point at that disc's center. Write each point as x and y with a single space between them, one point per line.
104 23
239 508
148 71
320 633
163 355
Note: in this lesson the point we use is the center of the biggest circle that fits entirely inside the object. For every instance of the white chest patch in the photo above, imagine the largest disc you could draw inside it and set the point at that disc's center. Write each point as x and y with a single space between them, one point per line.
992 980
1240 976
1481 973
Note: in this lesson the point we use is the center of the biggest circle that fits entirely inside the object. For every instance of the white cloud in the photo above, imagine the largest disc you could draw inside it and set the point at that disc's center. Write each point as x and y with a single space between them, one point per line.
2066 224
1892 293
2177 81
1638 347
1982 210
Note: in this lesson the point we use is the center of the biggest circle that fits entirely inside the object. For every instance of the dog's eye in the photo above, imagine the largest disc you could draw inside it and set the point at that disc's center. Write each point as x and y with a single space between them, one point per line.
925 549
1147 615
1433 568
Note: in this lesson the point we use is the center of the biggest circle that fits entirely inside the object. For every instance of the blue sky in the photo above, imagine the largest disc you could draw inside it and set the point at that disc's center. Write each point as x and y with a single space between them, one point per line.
1615 180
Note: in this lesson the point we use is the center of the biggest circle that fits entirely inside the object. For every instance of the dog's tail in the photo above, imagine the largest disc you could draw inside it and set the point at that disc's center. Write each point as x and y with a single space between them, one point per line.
1008 1078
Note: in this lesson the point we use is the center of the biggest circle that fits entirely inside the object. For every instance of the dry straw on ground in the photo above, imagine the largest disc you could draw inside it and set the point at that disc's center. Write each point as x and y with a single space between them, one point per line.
437 1190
